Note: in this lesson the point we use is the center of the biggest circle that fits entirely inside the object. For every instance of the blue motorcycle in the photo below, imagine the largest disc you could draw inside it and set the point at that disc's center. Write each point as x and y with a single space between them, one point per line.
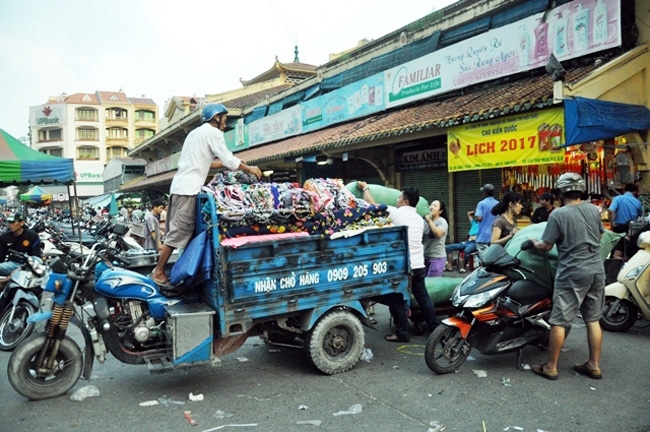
129 321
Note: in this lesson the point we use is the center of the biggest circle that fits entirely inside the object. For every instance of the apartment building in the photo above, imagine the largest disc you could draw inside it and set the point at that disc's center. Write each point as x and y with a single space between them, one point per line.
92 128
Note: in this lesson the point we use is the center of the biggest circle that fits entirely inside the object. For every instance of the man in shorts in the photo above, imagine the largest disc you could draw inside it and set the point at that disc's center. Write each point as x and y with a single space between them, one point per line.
200 149
576 229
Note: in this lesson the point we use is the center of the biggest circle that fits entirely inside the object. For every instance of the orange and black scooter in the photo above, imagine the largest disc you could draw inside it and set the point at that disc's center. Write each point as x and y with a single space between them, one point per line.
500 310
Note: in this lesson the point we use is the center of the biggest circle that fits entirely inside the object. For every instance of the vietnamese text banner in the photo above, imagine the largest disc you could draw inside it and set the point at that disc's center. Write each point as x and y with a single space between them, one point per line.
531 138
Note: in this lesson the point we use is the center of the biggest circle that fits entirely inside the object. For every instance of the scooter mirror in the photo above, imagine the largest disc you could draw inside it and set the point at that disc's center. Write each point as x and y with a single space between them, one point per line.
527 245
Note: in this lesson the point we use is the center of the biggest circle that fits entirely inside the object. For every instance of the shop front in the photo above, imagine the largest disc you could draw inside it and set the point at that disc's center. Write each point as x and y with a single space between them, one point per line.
530 151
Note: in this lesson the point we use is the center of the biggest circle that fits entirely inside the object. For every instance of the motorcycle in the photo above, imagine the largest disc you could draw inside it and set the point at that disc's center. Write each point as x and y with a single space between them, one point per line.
129 321
628 299
500 311
20 300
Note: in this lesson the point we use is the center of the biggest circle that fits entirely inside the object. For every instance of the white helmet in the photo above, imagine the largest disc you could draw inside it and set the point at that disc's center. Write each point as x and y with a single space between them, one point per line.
571 182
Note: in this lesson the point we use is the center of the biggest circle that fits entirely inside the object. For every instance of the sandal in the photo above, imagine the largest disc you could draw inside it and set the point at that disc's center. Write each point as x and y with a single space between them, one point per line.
546 373
585 370
395 338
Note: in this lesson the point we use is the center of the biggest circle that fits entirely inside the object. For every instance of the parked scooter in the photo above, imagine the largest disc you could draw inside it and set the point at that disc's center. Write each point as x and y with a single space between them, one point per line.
499 311
628 299
19 300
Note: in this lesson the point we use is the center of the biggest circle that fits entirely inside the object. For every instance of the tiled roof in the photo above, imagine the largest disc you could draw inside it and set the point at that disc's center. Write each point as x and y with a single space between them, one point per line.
78 98
468 105
254 98
107 95
141 101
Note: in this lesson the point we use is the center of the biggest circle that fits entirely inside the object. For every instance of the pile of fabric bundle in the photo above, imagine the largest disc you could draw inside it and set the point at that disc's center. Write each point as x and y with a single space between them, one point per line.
247 207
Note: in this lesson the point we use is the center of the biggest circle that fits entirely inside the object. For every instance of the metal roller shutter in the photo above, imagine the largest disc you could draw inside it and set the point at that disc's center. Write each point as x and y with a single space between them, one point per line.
433 183
467 194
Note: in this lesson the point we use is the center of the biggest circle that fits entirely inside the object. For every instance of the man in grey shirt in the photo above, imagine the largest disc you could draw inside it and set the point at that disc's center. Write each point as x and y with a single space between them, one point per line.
576 229
152 240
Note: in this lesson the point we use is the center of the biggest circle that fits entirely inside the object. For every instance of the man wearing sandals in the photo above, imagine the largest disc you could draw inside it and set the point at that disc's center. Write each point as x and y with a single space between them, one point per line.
576 229
404 213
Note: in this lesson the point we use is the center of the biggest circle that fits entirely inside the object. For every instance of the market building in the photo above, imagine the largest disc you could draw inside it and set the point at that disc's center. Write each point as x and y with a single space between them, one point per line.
510 92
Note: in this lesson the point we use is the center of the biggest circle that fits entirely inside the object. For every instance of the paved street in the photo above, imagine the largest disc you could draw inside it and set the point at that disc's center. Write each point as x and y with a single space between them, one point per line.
395 389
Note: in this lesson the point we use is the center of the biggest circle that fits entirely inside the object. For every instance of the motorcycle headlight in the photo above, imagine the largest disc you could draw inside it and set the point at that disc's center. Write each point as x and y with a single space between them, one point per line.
36 265
634 273
477 300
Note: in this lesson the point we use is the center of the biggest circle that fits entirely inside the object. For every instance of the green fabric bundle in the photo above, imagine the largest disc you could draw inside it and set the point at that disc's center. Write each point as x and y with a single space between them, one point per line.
545 263
388 196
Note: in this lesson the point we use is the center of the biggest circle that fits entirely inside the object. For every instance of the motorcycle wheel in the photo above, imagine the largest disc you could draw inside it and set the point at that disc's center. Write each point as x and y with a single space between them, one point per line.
620 319
14 331
23 374
446 350
336 342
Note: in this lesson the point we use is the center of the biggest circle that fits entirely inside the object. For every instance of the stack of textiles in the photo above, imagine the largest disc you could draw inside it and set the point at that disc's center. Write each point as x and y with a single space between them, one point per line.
246 207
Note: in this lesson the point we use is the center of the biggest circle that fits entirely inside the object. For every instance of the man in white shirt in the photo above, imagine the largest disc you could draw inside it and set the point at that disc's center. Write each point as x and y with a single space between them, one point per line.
200 149
405 214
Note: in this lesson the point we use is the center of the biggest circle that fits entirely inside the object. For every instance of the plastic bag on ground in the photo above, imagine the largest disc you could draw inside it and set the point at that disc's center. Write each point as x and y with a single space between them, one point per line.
84 392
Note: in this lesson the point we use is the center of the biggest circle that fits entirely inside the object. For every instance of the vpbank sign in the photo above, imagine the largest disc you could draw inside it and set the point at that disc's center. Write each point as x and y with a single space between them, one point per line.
412 80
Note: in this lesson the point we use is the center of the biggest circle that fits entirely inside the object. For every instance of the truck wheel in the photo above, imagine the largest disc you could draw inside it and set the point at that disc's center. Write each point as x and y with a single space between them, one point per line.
29 382
336 342
446 350
14 331
618 315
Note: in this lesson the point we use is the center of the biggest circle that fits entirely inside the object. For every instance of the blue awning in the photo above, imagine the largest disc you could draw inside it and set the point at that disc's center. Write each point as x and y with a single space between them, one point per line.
589 120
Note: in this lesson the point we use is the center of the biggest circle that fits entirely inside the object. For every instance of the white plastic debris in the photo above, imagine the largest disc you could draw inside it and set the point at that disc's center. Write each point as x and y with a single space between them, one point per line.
310 422
195 397
165 401
479 373
230 425
84 392
506 382
303 407
366 355
221 415
519 428
149 403
436 427
242 359
354 409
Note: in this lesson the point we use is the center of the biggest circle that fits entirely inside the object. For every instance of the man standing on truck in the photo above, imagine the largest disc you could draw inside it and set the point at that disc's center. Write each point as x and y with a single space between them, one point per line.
201 147
404 214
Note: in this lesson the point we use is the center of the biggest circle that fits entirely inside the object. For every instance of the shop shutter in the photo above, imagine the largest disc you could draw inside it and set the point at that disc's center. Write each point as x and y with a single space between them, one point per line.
467 194
433 183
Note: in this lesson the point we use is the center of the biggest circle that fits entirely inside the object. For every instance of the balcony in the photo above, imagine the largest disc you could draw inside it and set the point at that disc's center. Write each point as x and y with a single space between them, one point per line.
117 121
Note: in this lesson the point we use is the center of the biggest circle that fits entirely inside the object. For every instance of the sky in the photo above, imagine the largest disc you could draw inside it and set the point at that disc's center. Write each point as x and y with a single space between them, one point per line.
164 48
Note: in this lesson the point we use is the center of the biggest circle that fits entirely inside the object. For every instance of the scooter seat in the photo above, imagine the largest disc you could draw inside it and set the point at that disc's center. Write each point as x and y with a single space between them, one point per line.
526 292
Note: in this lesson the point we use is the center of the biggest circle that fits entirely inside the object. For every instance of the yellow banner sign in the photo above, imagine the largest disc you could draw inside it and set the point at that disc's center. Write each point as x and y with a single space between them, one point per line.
531 138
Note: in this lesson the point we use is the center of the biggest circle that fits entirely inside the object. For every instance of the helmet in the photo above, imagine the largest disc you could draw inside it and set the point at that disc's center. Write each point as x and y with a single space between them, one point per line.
212 110
571 182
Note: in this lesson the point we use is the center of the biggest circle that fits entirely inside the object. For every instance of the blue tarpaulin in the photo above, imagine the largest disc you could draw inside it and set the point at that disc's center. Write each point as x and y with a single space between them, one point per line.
589 120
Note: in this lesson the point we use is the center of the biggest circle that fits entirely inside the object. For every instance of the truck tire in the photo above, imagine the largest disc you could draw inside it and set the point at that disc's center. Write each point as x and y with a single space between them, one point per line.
15 331
618 315
336 342
24 378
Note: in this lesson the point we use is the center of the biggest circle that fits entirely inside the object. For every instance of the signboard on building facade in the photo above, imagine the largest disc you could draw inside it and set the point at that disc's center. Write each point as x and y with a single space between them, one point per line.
530 138
280 125
421 159
569 31
359 99
47 115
